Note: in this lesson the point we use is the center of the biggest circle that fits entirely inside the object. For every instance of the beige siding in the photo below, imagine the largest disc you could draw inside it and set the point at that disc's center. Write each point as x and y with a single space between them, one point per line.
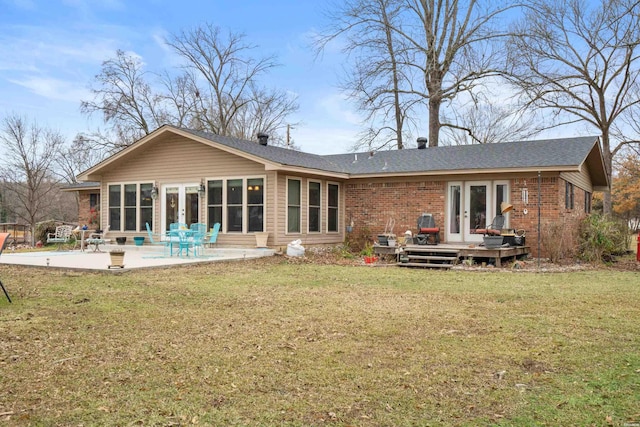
579 179
179 159
282 238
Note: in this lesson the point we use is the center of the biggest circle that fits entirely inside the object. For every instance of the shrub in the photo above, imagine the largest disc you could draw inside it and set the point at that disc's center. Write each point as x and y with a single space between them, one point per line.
359 239
601 238
559 239
44 228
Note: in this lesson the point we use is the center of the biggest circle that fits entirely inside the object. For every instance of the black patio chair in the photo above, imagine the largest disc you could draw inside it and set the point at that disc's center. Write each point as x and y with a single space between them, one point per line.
494 229
4 237
428 233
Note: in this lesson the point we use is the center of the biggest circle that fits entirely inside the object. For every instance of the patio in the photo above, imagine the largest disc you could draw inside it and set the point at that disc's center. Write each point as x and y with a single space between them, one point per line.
136 257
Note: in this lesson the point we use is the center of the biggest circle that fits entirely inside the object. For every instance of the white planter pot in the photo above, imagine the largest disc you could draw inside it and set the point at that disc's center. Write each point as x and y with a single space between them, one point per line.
261 239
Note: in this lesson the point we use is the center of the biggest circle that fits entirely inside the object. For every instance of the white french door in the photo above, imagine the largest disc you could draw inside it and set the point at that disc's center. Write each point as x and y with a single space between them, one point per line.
180 203
472 205
454 212
477 197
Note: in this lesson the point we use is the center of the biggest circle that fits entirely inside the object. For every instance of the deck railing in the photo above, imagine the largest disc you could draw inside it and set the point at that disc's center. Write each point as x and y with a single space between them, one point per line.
20 233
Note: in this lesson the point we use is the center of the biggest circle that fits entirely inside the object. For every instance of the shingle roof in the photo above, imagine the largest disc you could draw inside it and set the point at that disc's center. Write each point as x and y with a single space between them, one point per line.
565 152
508 155
283 156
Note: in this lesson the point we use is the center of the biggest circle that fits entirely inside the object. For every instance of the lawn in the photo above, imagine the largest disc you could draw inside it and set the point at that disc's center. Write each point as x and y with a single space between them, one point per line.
267 342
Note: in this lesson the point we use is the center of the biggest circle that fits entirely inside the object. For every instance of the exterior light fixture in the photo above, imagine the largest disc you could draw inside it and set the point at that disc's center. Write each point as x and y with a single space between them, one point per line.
202 190
154 192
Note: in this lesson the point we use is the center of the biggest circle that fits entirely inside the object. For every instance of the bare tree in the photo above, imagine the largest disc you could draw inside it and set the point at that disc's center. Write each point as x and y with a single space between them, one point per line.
27 171
225 83
486 121
442 48
579 60
123 96
377 75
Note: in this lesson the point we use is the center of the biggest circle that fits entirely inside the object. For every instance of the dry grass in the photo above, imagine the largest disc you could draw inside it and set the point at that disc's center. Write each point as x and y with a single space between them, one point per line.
272 343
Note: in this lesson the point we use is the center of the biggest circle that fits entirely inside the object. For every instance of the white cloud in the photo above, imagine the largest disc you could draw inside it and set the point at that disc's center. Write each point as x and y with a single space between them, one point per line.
320 139
55 89
337 107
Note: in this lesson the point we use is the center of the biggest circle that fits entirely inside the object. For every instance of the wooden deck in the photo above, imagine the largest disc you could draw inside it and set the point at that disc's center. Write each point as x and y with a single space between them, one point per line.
445 255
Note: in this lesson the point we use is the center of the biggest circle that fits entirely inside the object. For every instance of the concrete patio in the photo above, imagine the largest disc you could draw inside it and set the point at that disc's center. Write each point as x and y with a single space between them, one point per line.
136 257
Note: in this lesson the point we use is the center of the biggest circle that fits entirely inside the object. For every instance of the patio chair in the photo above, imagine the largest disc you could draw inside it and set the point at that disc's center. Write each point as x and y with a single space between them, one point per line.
199 231
428 233
494 229
213 237
165 243
97 239
4 237
61 236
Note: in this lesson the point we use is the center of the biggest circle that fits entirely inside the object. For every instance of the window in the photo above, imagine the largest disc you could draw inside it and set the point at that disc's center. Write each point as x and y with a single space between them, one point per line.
238 203
146 206
234 205
214 203
293 205
501 196
454 200
94 201
314 206
132 202
115 201
130 199
332 207
587 202
568 195
255 203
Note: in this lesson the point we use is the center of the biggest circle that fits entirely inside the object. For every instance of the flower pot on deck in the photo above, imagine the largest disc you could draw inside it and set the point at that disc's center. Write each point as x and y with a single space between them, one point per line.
121 240
138 240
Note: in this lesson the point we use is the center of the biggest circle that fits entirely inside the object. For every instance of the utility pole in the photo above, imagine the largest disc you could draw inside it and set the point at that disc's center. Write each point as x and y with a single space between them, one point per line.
289 127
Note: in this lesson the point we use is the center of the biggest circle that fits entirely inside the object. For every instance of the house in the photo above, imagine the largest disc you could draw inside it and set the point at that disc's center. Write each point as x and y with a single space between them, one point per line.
180 175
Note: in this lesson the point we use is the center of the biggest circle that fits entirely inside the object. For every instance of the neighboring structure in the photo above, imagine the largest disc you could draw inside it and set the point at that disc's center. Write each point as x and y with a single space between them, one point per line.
176 174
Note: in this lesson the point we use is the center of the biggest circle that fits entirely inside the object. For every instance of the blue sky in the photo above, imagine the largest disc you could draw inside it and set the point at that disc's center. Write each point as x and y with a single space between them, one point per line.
51 50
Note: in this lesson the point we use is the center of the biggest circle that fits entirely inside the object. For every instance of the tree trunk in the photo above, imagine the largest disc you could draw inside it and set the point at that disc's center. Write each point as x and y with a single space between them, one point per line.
434 121
608 164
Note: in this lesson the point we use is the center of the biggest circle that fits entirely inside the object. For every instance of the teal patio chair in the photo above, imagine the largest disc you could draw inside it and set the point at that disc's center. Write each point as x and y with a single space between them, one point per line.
199 231
165 243
213 237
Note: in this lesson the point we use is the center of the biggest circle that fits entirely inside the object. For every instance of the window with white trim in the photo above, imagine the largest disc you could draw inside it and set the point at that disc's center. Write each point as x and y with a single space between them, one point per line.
314 201
255 204
131 202
214 203
294 201
237 204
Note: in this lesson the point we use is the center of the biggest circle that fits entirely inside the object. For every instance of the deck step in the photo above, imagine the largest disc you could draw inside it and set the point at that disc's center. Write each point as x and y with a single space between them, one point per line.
432 257
424 265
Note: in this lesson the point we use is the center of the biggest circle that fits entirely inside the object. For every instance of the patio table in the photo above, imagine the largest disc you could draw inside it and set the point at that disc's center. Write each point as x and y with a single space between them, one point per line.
184 239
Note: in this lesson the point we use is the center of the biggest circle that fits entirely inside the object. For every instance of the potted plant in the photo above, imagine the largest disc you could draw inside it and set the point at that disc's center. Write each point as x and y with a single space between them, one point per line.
117 258
367 253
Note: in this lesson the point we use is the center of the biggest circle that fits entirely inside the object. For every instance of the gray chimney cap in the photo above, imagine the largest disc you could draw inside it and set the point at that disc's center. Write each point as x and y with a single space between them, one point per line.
263 138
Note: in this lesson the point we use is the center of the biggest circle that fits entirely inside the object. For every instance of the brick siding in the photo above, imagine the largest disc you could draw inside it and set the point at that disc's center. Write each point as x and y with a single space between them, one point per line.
371 204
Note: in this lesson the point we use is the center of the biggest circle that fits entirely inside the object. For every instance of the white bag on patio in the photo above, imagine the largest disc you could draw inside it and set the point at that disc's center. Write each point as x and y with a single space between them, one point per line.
295 248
